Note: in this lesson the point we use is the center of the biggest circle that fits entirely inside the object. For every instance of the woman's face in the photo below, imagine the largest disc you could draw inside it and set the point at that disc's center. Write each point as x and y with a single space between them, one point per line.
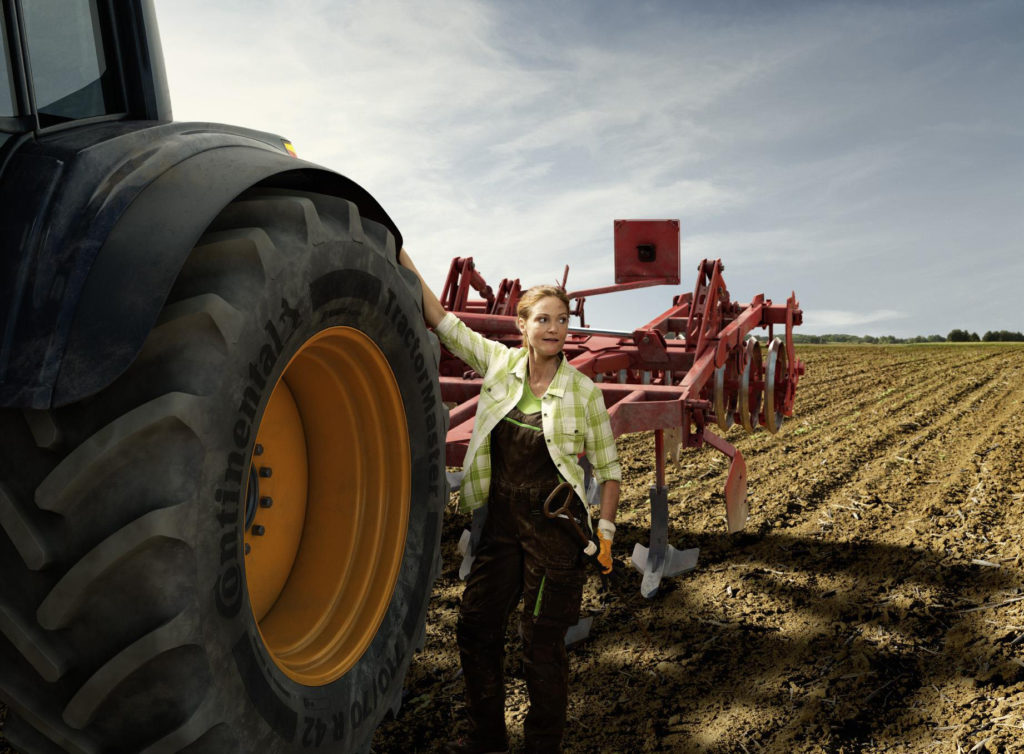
547 326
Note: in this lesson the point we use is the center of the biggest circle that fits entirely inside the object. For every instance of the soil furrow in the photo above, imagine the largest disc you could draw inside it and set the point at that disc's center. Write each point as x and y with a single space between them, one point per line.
875 602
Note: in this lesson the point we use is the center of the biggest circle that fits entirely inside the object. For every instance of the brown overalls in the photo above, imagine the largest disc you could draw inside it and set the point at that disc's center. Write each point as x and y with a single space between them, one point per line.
521 552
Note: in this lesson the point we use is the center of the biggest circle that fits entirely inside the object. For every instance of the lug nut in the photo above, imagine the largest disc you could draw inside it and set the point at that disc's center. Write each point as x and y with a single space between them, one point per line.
266 471
258 530
258 450
266 501
248 549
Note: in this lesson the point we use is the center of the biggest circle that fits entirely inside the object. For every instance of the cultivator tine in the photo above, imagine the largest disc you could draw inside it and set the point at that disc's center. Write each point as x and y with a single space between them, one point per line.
454 479
736 510
580 631
660 560
735 484
470 540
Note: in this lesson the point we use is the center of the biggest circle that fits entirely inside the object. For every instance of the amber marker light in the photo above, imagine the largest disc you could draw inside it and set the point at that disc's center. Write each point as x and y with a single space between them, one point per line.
289 147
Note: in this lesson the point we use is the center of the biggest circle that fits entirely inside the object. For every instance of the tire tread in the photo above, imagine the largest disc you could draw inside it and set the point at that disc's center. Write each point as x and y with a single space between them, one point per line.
64 600
190 733
26 739
45 658
82 708
87 464
27 538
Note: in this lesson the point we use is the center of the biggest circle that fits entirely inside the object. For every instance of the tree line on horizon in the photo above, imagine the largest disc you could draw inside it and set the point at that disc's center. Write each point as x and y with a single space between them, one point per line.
954 336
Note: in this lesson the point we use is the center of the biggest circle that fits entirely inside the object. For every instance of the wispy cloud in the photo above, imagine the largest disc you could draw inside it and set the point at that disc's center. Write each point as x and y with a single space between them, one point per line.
830 148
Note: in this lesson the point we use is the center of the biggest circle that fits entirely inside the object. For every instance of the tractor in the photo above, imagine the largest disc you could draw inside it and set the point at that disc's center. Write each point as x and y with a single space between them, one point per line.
222 439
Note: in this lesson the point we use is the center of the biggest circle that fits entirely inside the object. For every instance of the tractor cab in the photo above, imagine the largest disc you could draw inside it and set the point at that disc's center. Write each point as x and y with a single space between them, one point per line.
66 64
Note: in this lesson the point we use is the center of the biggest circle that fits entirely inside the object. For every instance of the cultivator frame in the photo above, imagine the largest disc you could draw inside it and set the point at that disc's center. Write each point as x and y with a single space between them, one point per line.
692 366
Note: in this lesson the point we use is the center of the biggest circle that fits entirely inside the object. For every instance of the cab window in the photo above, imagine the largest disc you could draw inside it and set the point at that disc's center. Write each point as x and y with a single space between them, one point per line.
74 68
6 74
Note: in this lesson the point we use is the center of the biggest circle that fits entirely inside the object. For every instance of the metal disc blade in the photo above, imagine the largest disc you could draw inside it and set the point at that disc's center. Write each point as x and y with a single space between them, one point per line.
750 391
725 409
775 386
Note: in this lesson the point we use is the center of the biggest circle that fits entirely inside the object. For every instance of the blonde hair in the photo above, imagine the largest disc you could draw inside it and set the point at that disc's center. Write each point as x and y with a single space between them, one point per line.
530 298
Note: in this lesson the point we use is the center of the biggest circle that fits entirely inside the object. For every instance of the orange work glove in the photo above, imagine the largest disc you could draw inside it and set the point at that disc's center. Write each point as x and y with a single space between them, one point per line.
605 537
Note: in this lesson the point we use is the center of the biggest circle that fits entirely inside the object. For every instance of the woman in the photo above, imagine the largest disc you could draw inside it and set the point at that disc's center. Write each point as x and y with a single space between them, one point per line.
536 414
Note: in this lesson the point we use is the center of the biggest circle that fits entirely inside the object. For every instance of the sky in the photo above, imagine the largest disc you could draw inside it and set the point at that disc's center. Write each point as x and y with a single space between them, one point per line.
867 155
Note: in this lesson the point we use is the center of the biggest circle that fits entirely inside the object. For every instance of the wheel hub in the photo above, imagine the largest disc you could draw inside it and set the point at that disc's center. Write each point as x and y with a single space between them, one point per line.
327 505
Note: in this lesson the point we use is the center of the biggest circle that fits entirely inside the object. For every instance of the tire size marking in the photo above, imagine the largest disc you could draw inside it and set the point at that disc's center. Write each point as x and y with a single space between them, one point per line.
230 586
428 387
315 730
373 692
370 696
314 733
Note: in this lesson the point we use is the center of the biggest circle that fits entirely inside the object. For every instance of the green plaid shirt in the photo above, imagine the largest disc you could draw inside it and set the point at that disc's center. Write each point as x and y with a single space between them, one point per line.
573 413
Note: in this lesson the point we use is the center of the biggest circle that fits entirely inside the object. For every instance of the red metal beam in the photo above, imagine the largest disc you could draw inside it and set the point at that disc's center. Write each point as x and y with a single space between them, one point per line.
639 415
672 320
620 287
733 334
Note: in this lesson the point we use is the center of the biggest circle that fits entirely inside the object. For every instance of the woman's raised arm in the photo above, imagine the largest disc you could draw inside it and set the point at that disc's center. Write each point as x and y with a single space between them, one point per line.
433 312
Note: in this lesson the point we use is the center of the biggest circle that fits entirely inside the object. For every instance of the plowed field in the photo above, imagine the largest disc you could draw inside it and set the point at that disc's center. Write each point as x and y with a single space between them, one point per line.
874 603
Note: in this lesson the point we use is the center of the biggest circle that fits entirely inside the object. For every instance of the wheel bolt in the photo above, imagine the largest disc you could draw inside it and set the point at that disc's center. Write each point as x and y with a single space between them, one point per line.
266 471
258 530
258 450
266 501
248 549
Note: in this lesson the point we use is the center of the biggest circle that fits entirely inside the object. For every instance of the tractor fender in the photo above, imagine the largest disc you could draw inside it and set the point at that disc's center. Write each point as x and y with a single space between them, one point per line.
139 260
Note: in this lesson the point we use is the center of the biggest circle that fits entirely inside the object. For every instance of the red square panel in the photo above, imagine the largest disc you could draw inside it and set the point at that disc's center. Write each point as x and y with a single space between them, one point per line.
646 250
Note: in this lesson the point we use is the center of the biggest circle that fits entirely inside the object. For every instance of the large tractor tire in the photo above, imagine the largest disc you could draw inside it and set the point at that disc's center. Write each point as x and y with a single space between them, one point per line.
231 548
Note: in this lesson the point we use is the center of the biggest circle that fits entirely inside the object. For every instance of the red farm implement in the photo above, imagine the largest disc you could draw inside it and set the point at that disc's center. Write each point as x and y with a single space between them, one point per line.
692 366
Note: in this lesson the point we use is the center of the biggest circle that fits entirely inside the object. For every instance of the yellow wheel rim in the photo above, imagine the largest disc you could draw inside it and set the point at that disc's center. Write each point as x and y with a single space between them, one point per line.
328 506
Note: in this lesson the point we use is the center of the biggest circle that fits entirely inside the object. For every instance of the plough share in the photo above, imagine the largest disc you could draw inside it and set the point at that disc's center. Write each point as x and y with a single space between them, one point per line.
694 365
